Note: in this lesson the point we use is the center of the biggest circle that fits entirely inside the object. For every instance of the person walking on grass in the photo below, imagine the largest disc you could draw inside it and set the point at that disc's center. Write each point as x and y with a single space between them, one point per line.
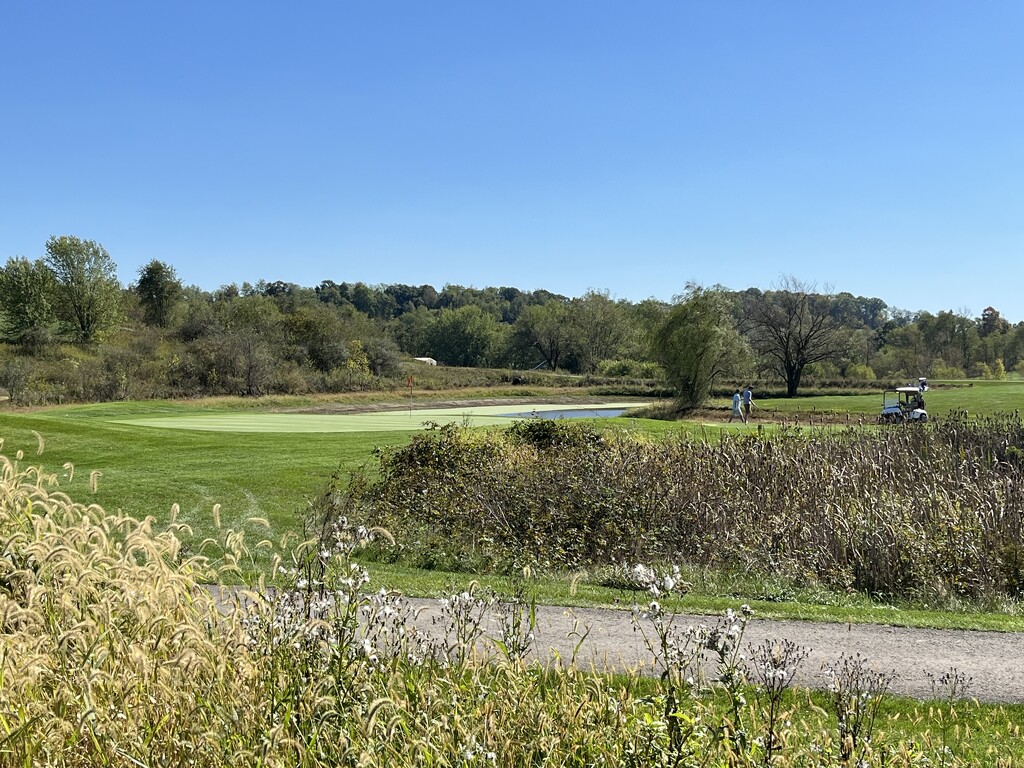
737 410
748 403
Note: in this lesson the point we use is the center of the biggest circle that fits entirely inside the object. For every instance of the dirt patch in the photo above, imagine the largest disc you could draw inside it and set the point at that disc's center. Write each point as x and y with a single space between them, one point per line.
775 418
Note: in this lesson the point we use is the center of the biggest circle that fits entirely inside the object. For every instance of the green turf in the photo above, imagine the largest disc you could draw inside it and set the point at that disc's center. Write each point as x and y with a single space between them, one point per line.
976 397
403 420
252 464
145 470
801 604
267 473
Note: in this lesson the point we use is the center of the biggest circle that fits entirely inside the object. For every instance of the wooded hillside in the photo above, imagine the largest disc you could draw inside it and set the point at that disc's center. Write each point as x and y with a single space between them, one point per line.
71 331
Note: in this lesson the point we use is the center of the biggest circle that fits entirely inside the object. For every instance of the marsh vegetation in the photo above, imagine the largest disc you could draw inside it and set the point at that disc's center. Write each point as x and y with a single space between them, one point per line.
930 514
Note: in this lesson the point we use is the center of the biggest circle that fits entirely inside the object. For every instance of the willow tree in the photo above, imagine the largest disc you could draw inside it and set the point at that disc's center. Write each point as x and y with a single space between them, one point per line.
698 343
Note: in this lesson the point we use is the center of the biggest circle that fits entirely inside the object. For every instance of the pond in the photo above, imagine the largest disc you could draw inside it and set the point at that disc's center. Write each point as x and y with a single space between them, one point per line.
568 413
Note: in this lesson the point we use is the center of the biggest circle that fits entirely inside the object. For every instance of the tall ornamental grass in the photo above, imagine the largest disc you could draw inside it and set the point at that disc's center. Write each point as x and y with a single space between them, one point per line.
931 512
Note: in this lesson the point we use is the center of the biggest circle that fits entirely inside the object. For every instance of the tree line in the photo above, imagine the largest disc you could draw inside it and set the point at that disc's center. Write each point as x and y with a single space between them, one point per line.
71 331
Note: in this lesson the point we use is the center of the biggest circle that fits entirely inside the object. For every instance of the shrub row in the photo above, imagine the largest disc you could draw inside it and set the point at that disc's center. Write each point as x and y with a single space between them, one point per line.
917 512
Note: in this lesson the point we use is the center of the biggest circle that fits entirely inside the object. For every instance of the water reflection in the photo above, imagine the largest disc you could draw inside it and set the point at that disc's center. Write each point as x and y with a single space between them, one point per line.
568 413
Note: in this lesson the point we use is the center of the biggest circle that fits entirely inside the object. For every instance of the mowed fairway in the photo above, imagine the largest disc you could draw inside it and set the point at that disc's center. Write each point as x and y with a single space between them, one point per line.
387 421
977 398
147 456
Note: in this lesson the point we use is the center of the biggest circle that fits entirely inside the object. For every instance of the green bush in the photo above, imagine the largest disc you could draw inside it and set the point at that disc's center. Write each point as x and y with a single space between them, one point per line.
630 369
860 372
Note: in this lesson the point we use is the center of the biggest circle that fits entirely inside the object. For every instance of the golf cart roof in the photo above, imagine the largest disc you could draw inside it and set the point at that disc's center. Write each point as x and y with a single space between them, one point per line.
907 389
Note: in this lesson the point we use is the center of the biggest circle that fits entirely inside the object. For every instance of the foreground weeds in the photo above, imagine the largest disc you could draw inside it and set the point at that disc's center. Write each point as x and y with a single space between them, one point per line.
118 648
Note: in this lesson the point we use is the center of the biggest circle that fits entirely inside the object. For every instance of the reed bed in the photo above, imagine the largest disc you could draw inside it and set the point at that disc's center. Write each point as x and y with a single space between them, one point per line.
932 513
120 646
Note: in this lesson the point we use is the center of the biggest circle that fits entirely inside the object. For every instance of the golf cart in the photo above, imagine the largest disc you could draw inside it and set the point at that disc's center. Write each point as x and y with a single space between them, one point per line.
901 404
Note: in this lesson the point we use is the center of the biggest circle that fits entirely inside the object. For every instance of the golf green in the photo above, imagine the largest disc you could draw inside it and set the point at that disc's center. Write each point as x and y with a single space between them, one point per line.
381 421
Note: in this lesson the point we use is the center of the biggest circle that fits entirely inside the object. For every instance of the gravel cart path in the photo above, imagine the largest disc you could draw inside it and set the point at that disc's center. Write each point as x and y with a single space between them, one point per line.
609 641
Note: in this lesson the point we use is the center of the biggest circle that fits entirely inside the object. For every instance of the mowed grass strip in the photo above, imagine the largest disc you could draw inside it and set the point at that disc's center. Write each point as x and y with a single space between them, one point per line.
979 398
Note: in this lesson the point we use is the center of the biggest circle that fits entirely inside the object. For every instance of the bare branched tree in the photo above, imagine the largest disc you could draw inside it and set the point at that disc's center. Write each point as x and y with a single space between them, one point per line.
791 327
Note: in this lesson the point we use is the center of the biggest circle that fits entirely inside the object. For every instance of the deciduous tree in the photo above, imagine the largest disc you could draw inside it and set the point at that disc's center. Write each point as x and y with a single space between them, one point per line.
950 337
545 328
792 327
598 329
158 290
253 329
463 336
992 322
87 285
27 314
697 343
316 336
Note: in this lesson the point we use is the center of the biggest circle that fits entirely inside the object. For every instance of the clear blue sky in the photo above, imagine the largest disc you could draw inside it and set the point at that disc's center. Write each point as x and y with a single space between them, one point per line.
876 147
